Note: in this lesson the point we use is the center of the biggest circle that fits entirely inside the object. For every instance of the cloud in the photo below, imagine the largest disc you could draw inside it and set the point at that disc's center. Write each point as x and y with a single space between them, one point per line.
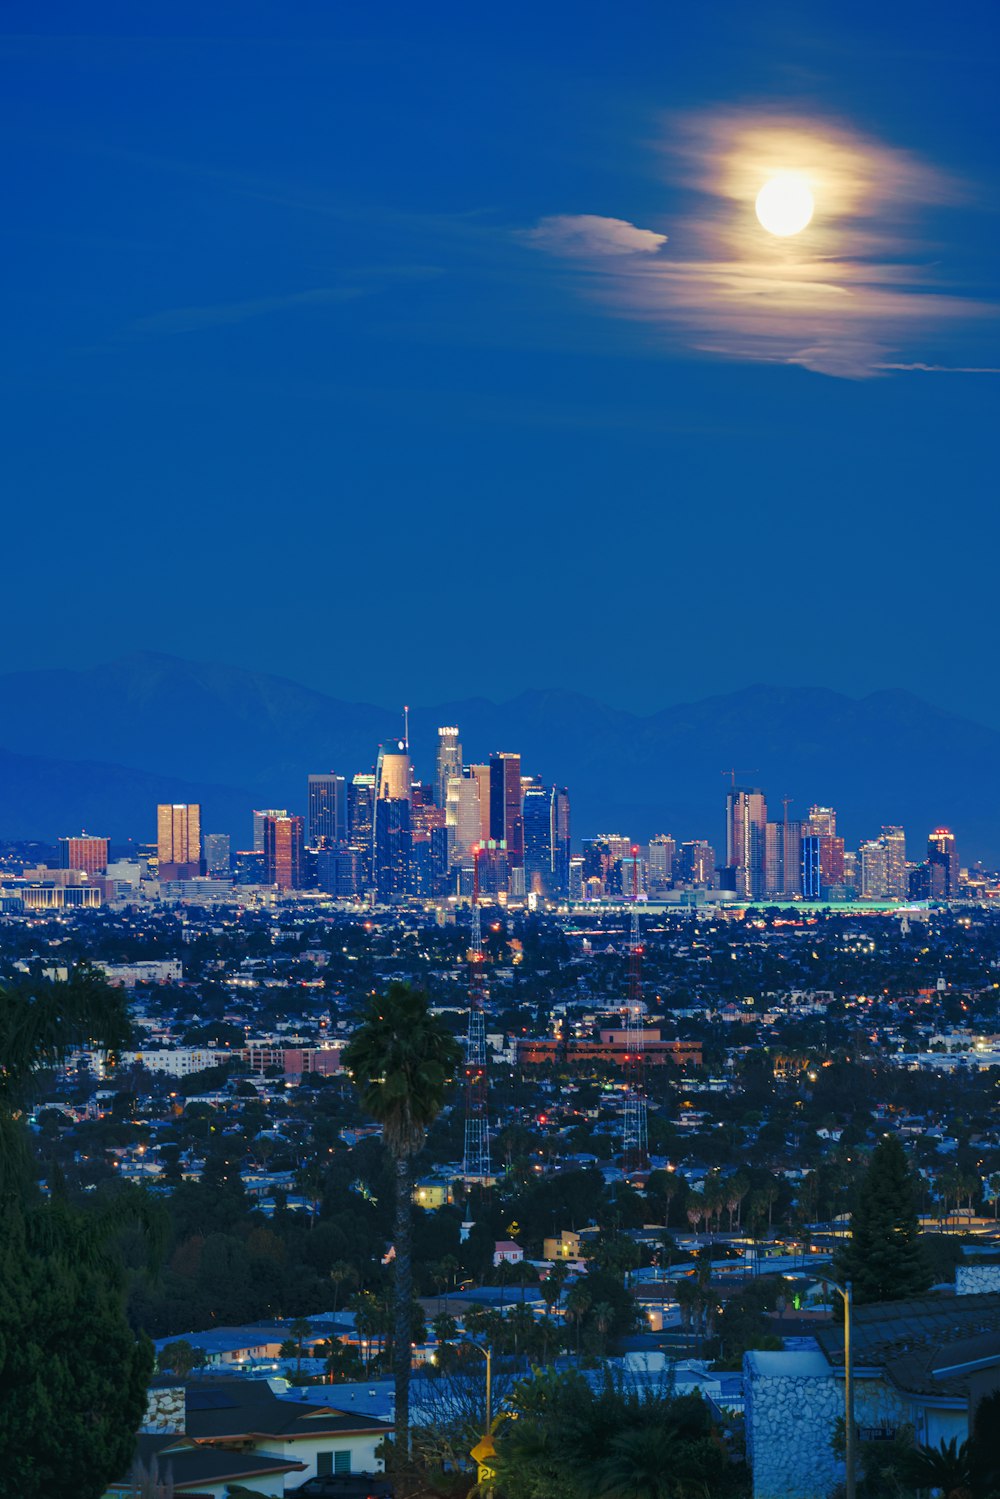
856 294
589 234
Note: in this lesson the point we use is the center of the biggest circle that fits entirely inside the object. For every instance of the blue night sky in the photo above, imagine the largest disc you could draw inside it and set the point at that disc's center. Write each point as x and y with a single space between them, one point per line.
344 342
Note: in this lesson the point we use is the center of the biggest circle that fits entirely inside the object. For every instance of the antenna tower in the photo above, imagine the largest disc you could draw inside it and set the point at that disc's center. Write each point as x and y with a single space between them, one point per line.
636 1136
476 1157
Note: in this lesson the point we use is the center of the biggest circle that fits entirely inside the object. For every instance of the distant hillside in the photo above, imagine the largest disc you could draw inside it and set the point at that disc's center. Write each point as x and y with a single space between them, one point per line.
149 726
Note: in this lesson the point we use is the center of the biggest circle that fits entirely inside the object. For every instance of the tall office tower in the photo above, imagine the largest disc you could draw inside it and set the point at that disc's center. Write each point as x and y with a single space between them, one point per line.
942 852
218 856
492 868
774 858
576 878
327 810
259 818
874 869
425 812
361 824
178 840
506 821
476 1152
791 857
852 869
284 846
463 815
391 847
696 863
248 866
545 811
449 761
481 776
660 859
823 822
746 820
561 838
897 874
85 852
831 861
812 878
598 863
393 772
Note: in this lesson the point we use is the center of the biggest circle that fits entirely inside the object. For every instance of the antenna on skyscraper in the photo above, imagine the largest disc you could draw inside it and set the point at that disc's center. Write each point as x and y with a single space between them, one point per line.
406 727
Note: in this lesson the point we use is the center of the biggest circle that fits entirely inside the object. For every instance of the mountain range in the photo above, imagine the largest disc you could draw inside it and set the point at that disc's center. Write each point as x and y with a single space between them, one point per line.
98 747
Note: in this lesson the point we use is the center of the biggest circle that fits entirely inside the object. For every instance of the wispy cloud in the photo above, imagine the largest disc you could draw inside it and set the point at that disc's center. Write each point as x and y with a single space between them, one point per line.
853 295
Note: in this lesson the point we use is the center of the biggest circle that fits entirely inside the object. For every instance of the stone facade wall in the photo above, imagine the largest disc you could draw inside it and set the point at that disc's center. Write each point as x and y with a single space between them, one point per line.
166 1411
790 1424
971 1279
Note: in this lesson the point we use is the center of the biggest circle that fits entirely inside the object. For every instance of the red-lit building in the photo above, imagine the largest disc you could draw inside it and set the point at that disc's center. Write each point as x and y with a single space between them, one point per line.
284 843
86 853
613 1050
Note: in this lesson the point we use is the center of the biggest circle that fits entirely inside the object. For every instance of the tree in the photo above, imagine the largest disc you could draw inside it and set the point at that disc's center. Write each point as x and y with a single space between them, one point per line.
300 1330
180 1358
884 1259
403 1060
945 1468
339 1272
72 1374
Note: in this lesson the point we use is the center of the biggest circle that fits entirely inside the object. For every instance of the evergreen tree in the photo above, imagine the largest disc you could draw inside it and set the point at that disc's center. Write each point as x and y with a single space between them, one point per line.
884 1258
72 1374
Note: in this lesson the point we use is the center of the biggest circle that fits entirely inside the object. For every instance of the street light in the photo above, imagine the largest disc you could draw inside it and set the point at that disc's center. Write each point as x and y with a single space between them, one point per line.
850 1436
488 1356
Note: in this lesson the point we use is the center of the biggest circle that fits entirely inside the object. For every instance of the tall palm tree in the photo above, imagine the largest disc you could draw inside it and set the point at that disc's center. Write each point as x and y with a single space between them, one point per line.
339 1272
403 1060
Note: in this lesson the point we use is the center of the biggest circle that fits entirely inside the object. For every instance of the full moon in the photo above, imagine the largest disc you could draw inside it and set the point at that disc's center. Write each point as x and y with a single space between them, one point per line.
785 205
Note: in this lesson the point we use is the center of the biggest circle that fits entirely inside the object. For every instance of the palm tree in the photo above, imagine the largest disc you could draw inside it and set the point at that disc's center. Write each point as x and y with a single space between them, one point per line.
945 1467
604 1316
403 1060
577 1307
339 1272
300 1330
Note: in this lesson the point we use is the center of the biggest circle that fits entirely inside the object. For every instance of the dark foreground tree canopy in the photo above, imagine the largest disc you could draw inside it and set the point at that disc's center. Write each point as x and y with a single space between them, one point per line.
572 1439
73 1375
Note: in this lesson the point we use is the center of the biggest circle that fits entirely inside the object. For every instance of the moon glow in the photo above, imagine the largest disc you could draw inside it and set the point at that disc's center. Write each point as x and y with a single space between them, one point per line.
785 205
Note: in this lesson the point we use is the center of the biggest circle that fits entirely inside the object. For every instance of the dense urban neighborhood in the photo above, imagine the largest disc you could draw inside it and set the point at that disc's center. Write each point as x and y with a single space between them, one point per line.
624 1216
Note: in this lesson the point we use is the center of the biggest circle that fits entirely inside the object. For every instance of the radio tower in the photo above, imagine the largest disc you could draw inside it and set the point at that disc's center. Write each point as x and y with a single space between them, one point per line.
476 1158
636 1137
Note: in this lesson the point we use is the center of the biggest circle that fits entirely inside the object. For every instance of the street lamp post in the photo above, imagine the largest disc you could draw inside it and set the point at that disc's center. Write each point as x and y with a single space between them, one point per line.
488 1356
850 1434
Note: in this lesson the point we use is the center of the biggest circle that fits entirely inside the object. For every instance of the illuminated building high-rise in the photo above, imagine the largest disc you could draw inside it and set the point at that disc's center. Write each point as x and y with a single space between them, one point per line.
506 820
942 854
463 816
897 874
284 848
361 825
218 856
392 847
393 772
696 863
791 857
746 822
260 816
178 840
481 776
326 810
823 822
545 812
449 761
660 860
85 853
874 869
